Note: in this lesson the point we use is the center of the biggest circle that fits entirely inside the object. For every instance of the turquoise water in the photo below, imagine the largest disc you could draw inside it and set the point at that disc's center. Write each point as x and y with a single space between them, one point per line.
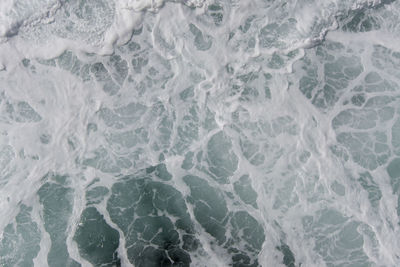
199 133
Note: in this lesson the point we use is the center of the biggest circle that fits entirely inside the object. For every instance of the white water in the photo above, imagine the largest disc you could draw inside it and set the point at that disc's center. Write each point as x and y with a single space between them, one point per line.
287 112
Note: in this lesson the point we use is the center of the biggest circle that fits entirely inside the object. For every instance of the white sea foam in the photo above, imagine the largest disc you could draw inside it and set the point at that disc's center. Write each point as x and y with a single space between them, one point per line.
271 125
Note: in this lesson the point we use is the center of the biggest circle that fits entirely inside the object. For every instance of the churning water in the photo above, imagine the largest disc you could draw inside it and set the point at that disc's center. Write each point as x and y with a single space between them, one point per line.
199 133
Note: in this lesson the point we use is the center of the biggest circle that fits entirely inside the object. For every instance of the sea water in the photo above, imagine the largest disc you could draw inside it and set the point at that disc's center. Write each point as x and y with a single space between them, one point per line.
199 133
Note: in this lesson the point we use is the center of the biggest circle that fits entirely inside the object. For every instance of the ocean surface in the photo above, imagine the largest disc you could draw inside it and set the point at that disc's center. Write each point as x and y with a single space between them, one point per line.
199 133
